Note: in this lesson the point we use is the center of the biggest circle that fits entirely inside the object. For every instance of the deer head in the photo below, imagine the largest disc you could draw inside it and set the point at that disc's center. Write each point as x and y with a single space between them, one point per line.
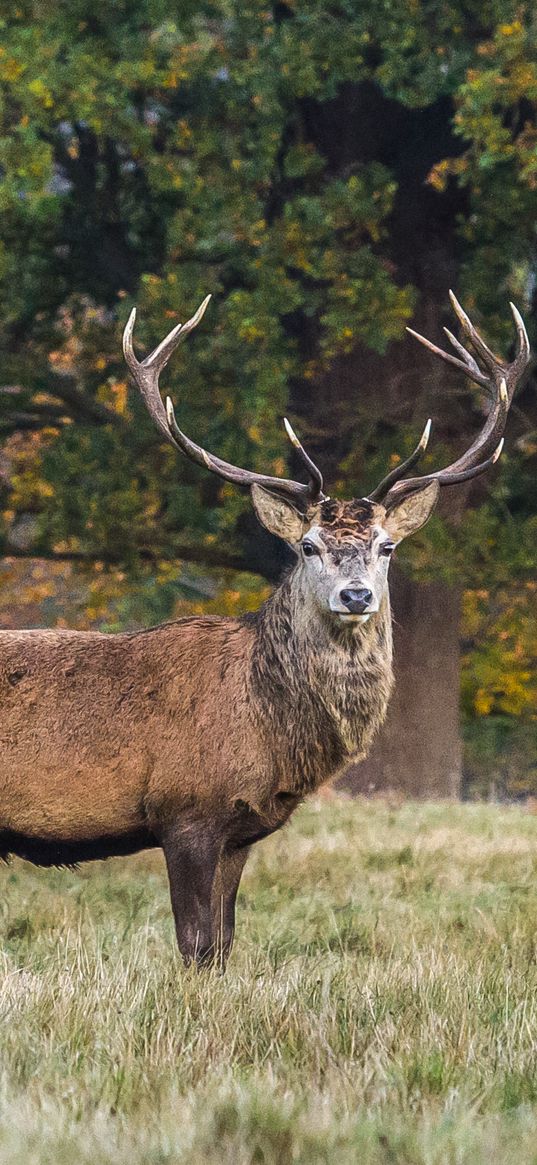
344 547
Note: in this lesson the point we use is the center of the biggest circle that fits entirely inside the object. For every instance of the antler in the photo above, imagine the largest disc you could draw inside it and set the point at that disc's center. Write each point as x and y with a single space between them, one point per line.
146 373
487 370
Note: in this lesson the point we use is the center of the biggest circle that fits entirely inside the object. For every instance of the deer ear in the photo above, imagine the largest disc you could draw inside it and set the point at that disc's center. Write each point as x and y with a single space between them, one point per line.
278 515
412 512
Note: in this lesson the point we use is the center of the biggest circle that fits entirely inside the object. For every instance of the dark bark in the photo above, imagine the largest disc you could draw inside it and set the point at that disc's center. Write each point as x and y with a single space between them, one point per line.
204 555
418 752
419 748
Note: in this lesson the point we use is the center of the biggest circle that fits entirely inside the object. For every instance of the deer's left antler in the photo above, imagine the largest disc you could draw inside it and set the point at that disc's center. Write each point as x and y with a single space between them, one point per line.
485 369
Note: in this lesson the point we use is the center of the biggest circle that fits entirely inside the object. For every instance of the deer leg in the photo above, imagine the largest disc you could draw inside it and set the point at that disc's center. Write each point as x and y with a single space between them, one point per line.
192 855
225 887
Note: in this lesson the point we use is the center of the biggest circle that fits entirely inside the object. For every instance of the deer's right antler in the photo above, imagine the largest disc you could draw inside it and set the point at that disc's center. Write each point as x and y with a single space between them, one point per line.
485 369
145 374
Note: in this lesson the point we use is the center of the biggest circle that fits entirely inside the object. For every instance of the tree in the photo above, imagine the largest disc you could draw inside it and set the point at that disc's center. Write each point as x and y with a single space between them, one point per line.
326 172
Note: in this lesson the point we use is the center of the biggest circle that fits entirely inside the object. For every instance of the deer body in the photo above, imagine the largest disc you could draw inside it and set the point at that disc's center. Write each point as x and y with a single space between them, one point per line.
110 737
202 736
111 744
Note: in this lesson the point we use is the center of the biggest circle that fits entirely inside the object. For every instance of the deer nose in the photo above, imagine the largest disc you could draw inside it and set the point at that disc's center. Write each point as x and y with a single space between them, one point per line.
356 601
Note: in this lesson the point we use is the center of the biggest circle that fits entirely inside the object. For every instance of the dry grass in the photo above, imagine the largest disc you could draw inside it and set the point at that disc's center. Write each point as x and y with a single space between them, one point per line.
380 1005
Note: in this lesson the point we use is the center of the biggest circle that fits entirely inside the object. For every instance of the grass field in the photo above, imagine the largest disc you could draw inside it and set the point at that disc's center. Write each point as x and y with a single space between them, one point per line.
380 1005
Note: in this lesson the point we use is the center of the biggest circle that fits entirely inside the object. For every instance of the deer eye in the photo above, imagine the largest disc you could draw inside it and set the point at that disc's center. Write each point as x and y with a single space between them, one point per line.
309 549
387 548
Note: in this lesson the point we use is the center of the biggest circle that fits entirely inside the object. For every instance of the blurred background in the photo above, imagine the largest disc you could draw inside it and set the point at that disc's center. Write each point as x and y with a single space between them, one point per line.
327 171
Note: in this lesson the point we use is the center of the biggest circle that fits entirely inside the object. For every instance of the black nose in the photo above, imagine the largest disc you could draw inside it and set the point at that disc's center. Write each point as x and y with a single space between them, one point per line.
357 601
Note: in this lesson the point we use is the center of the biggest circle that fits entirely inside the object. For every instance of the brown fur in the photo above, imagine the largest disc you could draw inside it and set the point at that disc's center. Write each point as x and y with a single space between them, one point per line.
343 520
200 735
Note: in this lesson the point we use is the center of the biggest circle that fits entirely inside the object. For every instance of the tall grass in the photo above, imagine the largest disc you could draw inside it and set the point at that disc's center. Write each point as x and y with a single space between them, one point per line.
380 1004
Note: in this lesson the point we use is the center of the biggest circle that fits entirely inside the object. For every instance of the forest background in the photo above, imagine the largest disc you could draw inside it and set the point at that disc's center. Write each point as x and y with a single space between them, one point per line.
327 171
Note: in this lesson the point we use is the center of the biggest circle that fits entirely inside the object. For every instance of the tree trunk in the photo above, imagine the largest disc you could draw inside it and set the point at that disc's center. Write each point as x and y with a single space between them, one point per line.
418 751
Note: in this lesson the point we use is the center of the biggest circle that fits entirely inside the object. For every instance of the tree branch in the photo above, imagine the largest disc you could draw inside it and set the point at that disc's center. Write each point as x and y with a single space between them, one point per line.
208 556
85 406
33 420
65 389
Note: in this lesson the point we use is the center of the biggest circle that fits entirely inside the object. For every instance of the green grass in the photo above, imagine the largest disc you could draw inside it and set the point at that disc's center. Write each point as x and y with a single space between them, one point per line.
380 1005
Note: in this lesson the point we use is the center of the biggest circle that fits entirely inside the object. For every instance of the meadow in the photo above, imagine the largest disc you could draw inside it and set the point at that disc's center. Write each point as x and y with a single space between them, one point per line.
380 1005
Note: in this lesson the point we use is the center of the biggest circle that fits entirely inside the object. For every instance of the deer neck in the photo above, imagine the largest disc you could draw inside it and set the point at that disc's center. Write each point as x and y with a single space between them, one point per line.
323 689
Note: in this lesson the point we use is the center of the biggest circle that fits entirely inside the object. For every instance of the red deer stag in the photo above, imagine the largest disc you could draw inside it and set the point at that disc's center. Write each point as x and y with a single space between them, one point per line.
203 735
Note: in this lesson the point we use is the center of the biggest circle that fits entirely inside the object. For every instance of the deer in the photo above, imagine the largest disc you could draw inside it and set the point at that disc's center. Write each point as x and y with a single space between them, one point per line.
202 735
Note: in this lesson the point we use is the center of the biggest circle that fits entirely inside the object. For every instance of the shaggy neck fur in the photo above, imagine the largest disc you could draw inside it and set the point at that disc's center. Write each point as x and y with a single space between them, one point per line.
322 689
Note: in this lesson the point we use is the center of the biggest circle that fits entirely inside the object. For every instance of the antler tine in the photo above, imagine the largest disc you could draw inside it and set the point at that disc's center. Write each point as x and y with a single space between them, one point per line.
311 468
499 378
523 344
468 365
400 470
160 356
472 335
464 355
146 373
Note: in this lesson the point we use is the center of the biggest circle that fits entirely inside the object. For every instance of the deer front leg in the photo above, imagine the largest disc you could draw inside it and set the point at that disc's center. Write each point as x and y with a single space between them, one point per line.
225 887
192 855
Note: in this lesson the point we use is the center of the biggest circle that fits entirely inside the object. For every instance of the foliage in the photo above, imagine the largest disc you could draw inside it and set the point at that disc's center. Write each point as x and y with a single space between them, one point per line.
151 153
156 155
499 690
380 1003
